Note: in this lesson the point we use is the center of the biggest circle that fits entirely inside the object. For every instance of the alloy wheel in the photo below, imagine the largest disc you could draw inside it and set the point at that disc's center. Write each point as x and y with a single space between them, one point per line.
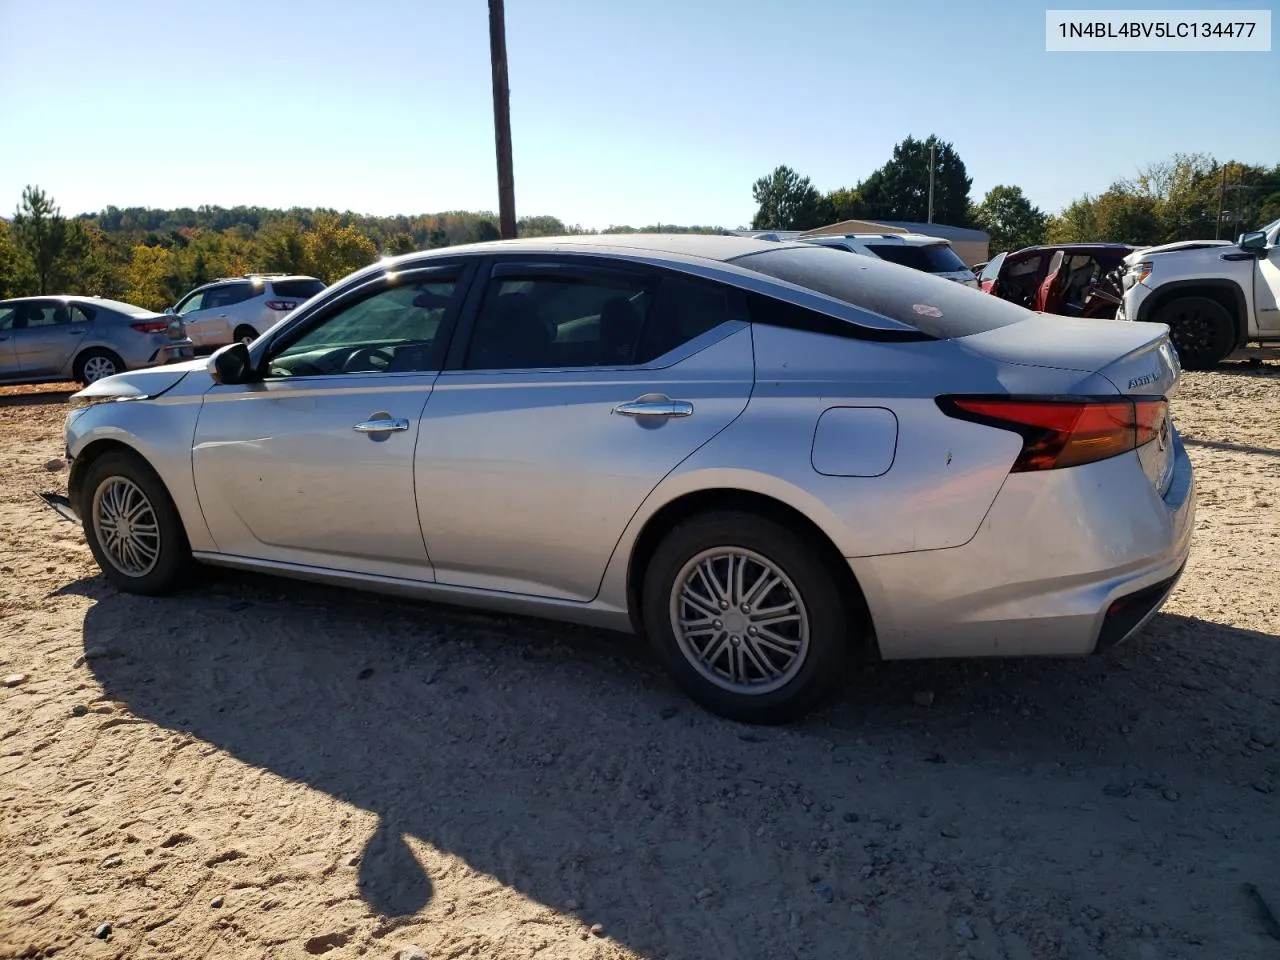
95 368
739 620
126 526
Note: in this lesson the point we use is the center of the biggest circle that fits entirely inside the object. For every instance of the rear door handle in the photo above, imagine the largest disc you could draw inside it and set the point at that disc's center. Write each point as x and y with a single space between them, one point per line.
387 425
655 407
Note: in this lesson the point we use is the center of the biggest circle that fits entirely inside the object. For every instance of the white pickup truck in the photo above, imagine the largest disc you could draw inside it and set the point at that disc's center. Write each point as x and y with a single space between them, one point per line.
1216 296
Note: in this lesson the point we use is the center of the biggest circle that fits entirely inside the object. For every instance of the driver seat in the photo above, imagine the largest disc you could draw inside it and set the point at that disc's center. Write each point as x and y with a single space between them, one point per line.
1049 296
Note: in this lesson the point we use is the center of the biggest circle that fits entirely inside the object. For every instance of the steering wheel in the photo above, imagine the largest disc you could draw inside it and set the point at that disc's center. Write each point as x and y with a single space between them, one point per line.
368 360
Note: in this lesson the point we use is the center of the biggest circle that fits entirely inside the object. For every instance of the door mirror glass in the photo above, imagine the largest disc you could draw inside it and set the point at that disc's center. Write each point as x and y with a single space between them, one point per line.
231 365
1254 240
168 311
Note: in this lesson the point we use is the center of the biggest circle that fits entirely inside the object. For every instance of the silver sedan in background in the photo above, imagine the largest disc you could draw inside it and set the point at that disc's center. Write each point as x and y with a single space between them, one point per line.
50 339
767 458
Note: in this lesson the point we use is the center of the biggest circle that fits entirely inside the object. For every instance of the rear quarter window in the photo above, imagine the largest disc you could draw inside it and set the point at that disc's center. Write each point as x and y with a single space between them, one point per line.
936 307
297 289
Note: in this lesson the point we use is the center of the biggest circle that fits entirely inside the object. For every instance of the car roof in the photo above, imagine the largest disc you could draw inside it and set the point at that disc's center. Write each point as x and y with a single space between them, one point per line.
80 298
697 245
1070 247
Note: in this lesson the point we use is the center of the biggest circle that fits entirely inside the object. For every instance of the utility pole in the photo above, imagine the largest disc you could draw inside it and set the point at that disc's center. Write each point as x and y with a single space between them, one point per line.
1222 192
933 150
502 120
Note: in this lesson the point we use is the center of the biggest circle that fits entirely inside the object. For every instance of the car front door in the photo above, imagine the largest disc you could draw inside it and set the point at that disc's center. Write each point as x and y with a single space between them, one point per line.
313 465
570 392
8 352
1266 284
46 334
988 280
207 314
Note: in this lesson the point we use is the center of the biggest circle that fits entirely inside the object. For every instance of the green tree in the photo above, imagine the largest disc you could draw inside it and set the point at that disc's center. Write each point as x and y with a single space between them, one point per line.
1010 218
400 243
10 263
787 201
283 249
487 230
845 204
900 189
334 250
41 233
146 279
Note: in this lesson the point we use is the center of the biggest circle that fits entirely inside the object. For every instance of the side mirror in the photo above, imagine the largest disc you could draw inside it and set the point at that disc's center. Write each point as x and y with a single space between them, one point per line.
169 310
1253 240
231 365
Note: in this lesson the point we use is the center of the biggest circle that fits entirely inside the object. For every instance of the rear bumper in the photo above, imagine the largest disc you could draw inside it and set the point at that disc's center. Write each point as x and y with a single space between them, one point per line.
1066 563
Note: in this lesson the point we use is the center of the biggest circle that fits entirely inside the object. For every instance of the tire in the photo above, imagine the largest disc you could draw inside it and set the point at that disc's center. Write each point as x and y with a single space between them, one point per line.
244 333
1202 330
805 675
95 364
161 560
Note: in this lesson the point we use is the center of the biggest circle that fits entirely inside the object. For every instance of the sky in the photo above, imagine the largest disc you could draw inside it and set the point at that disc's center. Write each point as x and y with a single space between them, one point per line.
622 111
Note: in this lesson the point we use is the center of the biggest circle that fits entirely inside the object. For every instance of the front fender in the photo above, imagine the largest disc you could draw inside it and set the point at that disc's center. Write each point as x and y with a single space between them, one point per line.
160 431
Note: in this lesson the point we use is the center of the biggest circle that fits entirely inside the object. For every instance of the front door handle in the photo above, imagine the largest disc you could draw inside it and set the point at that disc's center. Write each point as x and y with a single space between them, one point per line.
655 406
385 425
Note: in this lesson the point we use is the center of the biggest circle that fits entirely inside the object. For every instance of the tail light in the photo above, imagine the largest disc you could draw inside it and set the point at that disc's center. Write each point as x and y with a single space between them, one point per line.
1065 432
151 326
282 304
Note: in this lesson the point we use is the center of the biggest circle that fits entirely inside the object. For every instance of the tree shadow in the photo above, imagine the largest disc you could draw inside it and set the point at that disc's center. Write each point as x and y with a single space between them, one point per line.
559 761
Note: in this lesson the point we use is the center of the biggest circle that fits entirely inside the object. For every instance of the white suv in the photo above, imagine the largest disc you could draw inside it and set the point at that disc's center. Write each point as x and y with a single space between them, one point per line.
1215 295
927 254
242 308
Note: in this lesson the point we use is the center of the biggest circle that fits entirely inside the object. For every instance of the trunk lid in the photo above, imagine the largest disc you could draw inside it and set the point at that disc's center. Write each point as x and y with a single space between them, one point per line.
1136 359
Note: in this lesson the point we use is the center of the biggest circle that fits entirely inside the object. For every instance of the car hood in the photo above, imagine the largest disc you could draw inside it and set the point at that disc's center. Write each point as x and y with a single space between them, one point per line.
140 384
1182 245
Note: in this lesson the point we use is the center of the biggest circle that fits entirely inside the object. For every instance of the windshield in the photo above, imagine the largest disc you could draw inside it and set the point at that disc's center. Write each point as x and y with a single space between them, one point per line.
934 306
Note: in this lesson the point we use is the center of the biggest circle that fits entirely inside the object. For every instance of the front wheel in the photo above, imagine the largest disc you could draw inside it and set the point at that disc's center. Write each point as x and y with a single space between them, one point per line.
746 617
244 334
1202 331
133 528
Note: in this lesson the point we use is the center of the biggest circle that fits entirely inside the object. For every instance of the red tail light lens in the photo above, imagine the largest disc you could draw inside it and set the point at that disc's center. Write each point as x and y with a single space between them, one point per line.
282 304
154 326
1065 432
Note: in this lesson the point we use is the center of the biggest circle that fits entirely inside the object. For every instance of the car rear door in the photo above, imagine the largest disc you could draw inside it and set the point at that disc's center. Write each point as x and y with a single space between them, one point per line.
46 335
570 392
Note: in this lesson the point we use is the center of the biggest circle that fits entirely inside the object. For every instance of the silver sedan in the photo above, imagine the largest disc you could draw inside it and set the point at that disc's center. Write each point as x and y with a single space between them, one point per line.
49 339
767 458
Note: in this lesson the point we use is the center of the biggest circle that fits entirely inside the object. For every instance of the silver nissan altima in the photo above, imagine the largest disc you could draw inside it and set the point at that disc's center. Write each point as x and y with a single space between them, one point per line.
766 458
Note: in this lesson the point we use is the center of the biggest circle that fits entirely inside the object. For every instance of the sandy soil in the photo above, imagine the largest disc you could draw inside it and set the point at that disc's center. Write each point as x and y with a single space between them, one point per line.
259 768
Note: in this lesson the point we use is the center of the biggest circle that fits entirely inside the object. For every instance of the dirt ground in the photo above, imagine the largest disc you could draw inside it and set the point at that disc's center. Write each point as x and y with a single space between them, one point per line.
258 768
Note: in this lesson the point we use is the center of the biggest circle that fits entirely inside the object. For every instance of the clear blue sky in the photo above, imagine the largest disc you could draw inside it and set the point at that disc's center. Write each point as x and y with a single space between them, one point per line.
623 111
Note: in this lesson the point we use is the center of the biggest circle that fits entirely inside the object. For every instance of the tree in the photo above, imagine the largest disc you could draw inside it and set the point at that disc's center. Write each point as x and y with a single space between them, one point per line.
334 250
844 204
283 248
41 233
787 201
1010 218
401 243
900 189
10 261
146 277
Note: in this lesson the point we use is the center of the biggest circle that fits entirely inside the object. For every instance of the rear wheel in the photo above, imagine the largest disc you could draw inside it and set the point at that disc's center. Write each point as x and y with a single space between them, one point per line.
132 526
746 617
93 365
1202 331
245 334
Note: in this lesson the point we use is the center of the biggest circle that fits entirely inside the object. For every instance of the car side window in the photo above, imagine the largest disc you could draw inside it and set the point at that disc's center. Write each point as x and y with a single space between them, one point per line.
559 320
81 314
46 315
228 295
686 308
194 302
992 270
6 318
392 330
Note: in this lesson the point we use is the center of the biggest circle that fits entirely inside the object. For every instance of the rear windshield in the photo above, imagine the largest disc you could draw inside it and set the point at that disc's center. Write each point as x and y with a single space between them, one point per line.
940 308
935 258
297 289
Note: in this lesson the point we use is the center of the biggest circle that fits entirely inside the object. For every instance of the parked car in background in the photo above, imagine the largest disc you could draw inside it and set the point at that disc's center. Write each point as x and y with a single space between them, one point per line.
50 339
1215 295
242 308
1072 279
915 250
764 461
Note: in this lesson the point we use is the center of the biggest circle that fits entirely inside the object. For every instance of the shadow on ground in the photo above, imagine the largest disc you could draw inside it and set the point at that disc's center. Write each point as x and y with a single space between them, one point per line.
35 398
559 761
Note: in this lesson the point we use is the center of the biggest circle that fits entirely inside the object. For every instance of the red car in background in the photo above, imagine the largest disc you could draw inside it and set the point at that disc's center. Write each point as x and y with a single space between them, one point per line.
1072 279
